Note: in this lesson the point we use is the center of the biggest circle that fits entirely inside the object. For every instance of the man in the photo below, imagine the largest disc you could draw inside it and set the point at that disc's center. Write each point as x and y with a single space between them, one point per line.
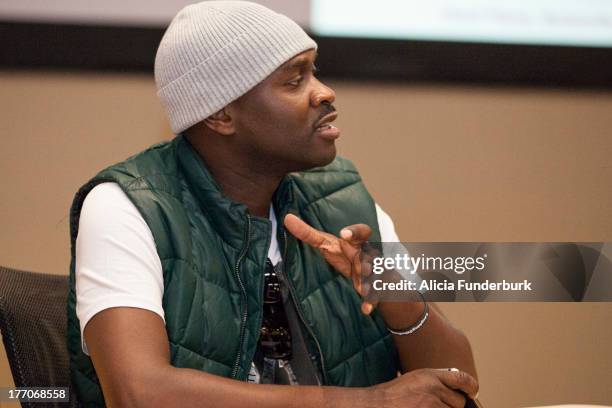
181 280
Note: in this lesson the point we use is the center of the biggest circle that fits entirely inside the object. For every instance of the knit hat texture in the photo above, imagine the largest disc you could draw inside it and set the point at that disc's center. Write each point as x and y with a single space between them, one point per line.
213 52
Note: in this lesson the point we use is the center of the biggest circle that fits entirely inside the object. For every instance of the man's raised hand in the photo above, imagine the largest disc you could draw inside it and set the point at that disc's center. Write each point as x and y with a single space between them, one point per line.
343 253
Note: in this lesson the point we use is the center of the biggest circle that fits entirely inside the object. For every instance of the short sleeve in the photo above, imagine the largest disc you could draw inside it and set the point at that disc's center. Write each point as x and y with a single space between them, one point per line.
385 226
393 245
117 264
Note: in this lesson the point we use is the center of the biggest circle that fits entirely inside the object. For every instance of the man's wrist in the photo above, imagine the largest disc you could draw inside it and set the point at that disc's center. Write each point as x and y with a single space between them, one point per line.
400 312
344 397
399 315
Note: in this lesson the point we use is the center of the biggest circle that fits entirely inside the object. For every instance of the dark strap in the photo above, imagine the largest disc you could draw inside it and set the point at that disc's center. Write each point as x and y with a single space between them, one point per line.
274 364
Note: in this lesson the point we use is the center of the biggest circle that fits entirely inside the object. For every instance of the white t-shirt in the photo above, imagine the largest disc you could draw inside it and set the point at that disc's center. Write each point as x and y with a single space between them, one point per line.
117 262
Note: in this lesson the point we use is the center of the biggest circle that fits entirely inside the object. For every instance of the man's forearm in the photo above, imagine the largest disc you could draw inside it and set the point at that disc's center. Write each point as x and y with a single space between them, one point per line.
437 344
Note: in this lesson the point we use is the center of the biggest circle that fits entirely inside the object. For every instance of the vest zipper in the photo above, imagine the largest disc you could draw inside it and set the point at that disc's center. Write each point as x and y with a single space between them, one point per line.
299 310
245 305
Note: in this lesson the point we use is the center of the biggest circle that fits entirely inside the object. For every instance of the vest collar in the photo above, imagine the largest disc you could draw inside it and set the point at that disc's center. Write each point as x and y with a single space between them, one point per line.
228 217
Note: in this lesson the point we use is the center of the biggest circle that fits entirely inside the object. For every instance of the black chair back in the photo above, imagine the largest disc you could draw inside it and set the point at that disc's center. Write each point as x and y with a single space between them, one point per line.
33 327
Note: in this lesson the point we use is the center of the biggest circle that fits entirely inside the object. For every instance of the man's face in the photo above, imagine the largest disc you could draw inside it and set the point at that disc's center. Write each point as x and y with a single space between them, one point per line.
276 122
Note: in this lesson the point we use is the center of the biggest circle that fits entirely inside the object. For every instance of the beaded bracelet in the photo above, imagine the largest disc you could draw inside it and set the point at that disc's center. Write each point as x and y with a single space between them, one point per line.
417 325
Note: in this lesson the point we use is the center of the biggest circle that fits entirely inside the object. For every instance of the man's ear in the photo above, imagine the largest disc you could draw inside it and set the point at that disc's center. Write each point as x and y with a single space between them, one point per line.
221 122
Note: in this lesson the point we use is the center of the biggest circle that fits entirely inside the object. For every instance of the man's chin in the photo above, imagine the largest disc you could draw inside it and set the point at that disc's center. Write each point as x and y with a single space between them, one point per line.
320 160
324 159
329 159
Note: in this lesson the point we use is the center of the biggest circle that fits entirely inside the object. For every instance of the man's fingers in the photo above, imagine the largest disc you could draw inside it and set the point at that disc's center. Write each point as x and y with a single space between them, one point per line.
453 399
459 380
342 254
303 231
368 306
356 233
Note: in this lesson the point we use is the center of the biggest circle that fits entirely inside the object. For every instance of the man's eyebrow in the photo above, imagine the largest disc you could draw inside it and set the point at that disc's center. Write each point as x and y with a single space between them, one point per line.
297 63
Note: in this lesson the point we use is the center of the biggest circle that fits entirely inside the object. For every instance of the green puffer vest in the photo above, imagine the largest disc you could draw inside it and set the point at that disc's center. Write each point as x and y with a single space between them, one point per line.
213 255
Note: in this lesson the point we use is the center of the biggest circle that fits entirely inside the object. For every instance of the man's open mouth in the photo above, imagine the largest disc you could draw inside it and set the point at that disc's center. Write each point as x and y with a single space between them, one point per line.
325 126
325 121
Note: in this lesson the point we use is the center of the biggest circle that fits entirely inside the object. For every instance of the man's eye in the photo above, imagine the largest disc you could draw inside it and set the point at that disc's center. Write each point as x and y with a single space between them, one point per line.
296 81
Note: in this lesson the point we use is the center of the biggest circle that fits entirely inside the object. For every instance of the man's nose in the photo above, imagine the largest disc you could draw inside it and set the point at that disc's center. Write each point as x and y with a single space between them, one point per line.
321 94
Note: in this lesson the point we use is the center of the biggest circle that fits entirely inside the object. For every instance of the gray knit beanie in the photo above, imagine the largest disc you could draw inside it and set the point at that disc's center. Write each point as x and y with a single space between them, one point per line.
215 51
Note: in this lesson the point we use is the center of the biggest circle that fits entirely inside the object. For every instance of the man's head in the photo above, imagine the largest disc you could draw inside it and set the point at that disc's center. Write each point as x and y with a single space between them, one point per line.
245 73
